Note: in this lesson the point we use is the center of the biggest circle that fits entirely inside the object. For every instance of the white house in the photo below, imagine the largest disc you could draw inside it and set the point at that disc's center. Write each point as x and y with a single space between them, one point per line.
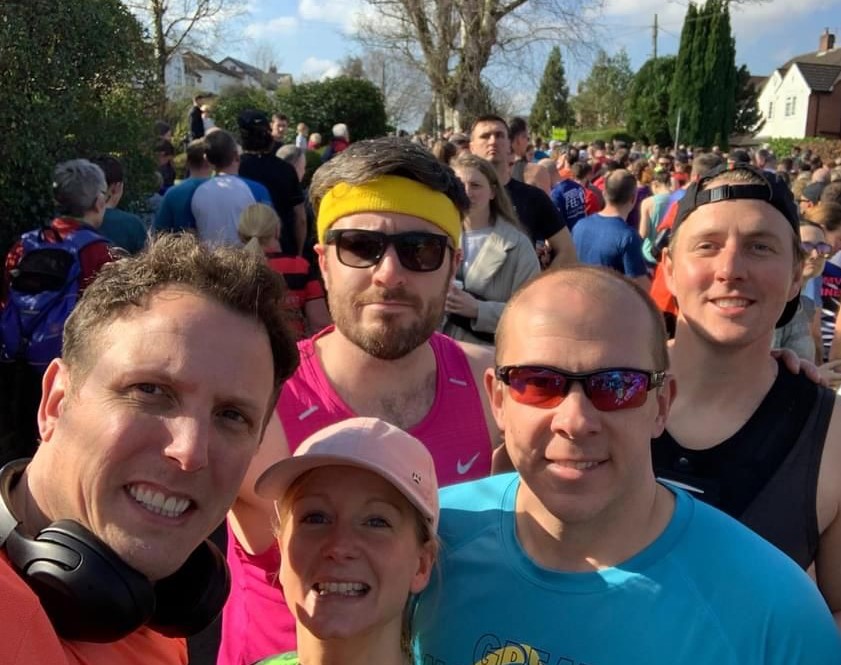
189 72
803 97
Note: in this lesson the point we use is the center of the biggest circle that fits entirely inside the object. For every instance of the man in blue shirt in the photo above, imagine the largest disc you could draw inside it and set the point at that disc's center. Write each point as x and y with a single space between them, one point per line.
604 239
581 556
175 213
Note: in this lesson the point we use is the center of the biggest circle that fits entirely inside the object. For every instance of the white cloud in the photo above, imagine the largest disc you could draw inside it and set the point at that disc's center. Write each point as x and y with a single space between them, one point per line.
282 25
319 68
344 16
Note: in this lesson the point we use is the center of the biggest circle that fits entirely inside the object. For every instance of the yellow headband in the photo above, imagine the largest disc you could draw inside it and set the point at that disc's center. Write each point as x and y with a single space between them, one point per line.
390 193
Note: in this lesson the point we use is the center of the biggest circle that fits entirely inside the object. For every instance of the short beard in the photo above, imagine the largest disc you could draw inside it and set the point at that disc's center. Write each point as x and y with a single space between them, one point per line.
385 341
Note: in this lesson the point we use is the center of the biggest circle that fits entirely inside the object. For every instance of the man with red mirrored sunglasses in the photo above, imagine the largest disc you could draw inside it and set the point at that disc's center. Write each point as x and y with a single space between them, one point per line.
389 226
581 556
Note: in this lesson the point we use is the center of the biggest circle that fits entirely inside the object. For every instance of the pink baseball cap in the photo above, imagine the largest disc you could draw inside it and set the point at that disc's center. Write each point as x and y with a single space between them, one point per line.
366 443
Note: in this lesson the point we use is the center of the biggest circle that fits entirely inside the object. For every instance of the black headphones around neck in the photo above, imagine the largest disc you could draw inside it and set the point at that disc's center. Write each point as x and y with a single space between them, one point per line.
90 594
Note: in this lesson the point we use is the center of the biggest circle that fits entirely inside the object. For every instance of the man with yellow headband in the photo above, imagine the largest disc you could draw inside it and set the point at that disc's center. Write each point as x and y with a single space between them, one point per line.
389 227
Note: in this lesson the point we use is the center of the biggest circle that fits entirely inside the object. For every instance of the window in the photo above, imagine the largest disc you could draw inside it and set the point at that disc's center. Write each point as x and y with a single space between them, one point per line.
790 106
770 110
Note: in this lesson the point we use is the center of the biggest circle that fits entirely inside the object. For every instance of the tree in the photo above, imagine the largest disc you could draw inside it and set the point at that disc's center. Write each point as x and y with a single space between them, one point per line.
600 101
402 85
551 106
648 101
704 87
76 80
187 23
748 118
453 41
235 99
321 104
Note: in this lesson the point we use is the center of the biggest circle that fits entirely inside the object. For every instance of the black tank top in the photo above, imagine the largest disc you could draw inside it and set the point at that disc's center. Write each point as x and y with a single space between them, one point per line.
766 474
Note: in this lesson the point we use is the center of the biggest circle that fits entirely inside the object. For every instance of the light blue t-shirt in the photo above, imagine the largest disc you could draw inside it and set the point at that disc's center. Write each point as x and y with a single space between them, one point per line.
707 591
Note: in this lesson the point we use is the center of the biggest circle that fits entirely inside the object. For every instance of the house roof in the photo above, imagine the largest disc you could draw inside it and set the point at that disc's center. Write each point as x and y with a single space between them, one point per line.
820 78
757 82
820 69
254 72
195 62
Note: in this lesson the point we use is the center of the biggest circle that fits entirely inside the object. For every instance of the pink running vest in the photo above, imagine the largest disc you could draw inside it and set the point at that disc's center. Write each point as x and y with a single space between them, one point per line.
256 622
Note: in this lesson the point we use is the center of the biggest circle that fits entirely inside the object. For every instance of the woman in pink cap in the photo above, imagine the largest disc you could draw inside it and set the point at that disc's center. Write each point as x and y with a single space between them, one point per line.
358 510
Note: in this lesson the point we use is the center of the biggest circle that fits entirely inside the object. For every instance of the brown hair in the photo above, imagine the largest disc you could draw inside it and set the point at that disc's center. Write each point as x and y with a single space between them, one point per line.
827 215
365 161
238 280
501 205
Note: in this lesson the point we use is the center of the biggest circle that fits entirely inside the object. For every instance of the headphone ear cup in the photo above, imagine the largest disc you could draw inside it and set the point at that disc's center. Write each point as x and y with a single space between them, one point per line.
192 597
88 592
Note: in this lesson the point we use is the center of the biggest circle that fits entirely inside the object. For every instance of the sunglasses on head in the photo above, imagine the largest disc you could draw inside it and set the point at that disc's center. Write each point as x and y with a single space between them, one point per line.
823 248
609 389
417 250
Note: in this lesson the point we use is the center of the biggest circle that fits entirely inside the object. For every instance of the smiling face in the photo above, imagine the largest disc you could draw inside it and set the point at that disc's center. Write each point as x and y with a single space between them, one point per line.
386 309
732 269
350 553
578 464
149 447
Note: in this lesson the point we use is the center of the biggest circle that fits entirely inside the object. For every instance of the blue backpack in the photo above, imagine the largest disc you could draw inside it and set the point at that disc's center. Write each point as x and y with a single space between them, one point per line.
43 290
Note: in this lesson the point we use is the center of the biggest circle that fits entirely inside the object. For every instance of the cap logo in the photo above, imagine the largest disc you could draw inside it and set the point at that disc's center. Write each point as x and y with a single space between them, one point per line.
416 477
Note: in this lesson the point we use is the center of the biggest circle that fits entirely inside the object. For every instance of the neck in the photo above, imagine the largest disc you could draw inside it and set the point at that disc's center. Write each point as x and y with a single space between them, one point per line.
617 534
503 172
611 210
728 371
380 644
477 219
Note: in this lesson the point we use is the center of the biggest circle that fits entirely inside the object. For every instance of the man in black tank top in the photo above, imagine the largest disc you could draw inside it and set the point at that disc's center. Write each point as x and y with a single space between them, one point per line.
745 434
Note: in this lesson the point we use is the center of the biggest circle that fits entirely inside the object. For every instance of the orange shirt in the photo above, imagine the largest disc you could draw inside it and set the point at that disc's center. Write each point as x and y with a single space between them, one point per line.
29 638
659 292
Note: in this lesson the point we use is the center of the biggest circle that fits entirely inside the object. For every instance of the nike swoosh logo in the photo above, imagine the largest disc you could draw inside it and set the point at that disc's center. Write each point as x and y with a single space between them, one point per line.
464 468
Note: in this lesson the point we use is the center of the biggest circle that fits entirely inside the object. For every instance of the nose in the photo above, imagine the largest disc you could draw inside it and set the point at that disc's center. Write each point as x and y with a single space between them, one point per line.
340 543
188 446
730 263
575 418
389 272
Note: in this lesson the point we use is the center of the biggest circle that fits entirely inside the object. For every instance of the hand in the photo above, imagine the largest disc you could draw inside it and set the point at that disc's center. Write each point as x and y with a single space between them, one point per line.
461 302
831 374
797 365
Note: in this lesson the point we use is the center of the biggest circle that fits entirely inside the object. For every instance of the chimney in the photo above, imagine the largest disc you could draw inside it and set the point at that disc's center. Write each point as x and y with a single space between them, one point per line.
827 42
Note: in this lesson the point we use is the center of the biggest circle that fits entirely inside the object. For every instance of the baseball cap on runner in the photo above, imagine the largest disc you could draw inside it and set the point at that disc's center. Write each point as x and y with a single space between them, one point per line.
367 443
772 190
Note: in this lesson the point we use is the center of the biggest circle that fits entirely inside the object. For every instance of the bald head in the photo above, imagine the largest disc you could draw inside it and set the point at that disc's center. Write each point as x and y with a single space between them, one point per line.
600 292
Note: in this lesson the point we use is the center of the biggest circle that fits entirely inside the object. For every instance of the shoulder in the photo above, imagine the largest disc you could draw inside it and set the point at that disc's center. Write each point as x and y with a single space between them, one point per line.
479 356
468 509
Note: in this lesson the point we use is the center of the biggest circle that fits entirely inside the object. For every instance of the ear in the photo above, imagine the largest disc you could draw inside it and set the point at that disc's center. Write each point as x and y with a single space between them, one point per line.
426 563
321 251
796 282
668 268
665 396
458 254
494 388
54 389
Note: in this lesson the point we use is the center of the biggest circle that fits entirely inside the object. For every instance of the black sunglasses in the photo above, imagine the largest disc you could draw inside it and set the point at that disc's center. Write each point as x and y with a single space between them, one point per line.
824 249
417 250
608 389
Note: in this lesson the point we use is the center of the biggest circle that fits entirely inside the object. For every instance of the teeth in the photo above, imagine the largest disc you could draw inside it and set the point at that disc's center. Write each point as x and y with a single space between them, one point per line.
732 302
157 503
341 588
580 466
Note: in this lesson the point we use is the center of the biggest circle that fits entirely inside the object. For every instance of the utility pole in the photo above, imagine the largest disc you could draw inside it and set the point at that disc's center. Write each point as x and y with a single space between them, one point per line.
654 36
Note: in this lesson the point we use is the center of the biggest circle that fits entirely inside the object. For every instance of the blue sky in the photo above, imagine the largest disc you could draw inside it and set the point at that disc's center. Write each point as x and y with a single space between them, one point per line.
308 38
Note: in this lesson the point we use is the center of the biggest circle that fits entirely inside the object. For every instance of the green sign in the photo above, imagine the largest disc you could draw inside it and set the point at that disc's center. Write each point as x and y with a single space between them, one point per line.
559 134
